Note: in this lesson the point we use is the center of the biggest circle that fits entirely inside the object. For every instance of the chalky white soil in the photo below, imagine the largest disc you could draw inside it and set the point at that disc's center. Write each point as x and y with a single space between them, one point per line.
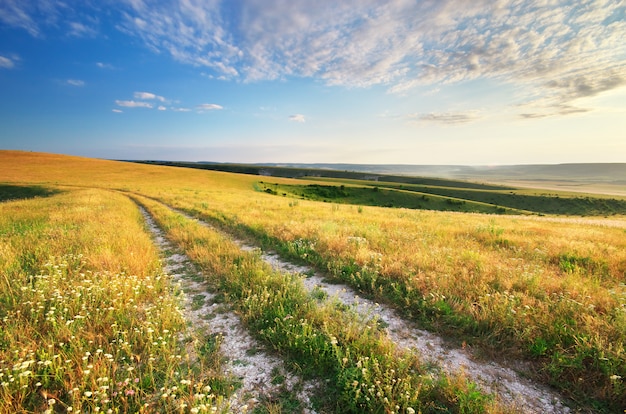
505 382
245 358
492 377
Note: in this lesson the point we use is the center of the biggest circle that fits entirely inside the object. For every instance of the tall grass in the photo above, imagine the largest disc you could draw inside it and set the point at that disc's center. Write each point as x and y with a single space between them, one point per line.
550 292
89 322
362 369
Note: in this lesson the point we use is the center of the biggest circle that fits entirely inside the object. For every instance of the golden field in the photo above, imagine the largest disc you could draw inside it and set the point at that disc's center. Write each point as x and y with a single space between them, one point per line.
546 290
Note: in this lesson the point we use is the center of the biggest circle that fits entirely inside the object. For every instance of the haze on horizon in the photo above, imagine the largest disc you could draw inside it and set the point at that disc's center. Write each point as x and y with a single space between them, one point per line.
358 81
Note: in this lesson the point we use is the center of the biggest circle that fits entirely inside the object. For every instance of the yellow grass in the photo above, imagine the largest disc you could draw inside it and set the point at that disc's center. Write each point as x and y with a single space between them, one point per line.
89 322
551 291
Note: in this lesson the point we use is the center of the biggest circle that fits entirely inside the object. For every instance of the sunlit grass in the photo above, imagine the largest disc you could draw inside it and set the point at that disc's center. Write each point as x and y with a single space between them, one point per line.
367 372
546 291
92 332
522 288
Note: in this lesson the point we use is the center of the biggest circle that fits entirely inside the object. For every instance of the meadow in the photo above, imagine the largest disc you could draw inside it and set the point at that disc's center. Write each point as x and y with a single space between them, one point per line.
548 292
89 321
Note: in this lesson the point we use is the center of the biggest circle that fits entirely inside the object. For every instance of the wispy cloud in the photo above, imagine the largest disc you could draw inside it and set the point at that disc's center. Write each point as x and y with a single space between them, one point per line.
447 118
553 110
77 29
20 14
7 62
142 101
148 96
103 65
297 118
117 111
75 82
133 104
399 44
209 107
38 16
558 51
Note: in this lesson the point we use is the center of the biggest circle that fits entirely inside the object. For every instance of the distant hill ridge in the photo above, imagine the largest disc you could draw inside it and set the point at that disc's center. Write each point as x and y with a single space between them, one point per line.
610 173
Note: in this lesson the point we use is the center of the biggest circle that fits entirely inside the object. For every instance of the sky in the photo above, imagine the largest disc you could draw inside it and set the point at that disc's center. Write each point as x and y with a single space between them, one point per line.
441 82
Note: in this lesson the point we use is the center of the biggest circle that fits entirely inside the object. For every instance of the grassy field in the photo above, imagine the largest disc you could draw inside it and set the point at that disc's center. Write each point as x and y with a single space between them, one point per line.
89 322
574 196
453 198
549 292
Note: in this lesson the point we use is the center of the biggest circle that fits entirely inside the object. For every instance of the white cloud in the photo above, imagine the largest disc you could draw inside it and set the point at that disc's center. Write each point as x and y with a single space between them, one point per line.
78 29
133 104
148 96
447 118
39 16
175 109
18 14
7 63
103 65
210 107
162 108
558 50
191 31
401 44
75 82
117 111
297 118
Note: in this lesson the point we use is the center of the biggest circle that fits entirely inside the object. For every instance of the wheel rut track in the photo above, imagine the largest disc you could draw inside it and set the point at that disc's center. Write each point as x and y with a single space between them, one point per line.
245 358
507 384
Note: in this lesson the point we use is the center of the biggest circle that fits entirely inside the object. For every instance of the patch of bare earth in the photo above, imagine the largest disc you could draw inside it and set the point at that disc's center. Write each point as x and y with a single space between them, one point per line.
262 375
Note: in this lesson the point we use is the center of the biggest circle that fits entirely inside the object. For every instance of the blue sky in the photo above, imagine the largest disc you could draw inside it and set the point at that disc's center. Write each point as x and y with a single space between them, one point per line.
480 82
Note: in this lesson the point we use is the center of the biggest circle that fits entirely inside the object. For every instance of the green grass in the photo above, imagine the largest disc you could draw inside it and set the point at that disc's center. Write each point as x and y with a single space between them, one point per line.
428 197
383 197
313 173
